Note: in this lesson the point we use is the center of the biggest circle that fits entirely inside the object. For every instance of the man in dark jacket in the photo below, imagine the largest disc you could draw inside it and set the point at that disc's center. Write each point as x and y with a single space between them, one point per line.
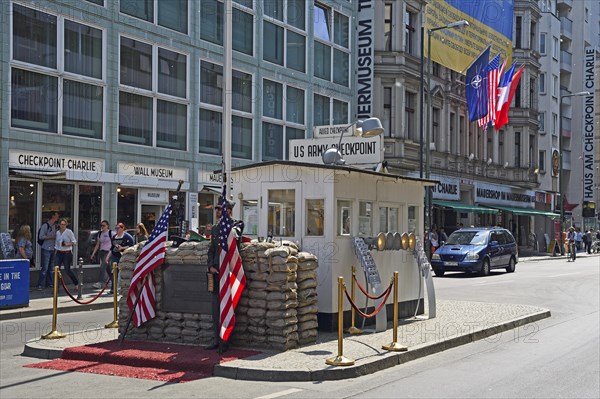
214 252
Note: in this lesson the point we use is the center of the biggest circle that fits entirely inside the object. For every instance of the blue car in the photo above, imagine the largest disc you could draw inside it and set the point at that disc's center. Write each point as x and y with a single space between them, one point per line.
476 250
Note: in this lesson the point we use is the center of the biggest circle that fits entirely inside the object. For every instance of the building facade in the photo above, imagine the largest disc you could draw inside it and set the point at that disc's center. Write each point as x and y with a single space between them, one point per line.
107 105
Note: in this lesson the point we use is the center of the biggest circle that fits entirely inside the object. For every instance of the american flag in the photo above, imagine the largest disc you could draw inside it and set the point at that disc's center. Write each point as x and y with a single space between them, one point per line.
494 71
232 279
142 282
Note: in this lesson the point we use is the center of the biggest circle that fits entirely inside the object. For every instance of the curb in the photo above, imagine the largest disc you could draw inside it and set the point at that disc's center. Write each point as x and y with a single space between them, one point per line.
387 360
25 312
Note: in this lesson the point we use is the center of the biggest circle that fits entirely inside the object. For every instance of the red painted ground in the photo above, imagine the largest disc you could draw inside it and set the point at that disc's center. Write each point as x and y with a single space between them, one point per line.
143 359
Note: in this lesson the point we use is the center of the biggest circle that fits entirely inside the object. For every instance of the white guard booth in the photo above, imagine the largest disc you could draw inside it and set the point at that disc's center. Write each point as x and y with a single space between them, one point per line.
322 208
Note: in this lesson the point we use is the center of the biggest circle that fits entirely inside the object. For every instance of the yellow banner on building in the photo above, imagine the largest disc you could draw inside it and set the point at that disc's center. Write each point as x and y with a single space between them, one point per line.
490 24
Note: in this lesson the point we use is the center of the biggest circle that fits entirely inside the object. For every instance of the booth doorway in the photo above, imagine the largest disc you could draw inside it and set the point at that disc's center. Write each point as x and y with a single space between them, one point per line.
150 215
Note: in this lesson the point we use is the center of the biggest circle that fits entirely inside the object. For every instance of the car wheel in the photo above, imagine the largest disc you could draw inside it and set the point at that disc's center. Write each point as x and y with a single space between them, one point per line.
438 272
485 268
511 265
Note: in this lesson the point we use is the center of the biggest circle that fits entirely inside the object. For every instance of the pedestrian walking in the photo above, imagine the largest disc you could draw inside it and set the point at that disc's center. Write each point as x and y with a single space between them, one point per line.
121 240
141 234
47 234
102 248
64 243
588 241
23 243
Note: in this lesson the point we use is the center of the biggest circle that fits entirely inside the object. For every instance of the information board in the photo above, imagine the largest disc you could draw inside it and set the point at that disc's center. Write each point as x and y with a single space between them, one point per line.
14 283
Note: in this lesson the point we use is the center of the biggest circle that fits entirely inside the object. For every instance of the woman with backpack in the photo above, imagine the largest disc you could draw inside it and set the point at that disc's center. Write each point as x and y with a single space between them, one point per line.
102 248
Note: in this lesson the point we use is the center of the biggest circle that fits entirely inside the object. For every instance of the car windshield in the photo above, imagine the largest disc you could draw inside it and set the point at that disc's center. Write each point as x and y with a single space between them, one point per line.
467 237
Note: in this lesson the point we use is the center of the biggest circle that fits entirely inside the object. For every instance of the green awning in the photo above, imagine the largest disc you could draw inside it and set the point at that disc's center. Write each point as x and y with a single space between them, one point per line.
527 211
459 206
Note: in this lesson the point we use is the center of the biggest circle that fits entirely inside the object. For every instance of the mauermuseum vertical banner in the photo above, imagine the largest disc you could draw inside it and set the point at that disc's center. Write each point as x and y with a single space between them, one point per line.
588 124
365 58
490 24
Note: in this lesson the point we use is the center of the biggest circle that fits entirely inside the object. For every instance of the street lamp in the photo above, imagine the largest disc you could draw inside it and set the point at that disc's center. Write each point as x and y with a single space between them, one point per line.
560 172
453 25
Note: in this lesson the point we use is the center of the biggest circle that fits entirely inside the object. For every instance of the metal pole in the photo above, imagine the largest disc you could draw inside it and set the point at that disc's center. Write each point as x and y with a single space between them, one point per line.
560 177
80 285
115 322
340 359
54 334
394 345
353 329
427 149
422 94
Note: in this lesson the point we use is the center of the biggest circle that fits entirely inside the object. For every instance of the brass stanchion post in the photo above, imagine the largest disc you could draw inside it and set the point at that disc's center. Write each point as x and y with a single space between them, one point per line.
352 329
394 345
115 322
54 334
80 285
340 359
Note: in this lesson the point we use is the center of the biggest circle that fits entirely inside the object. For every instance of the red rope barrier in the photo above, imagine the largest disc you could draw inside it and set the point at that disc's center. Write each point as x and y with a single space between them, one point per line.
62 282
365 291
381 305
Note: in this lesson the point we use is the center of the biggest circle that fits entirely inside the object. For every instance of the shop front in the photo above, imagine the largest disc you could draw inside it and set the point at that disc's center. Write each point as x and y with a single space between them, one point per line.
84 193
41 184
516 208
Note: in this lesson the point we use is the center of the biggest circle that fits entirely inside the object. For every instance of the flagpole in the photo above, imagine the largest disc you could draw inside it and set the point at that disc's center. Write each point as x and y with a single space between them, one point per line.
137 299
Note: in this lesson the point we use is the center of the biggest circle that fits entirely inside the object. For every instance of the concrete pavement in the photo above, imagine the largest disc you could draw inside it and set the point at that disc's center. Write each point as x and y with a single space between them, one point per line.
457 323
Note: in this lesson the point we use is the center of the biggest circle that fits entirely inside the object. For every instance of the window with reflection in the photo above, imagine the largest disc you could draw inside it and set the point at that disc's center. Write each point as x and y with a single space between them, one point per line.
365 218
413 225
344 217
282 213
315 217
22 207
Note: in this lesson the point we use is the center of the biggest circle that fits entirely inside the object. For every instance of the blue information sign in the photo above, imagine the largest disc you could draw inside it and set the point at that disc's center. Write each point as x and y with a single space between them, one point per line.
14 283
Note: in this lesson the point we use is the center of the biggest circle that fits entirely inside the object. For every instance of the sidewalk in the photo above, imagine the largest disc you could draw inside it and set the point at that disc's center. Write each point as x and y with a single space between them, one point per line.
40 303
457 323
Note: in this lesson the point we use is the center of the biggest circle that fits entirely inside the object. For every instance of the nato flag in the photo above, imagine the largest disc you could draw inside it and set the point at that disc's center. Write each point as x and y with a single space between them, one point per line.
477 88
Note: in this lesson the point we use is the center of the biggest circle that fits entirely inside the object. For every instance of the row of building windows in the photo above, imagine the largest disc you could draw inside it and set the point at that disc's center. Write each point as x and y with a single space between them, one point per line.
64 92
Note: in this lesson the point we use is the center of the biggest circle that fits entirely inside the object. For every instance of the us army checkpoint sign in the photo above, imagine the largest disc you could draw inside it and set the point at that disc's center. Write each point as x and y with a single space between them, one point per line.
354 150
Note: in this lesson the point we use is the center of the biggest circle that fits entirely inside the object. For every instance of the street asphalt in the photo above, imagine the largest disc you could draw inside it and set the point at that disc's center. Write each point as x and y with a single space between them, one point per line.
456 323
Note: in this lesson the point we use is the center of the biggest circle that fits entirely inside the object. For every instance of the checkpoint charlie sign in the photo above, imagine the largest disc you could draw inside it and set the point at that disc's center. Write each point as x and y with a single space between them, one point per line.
354 150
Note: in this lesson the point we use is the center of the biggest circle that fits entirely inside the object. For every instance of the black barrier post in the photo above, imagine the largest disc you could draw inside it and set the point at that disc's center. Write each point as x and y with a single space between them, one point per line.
80 285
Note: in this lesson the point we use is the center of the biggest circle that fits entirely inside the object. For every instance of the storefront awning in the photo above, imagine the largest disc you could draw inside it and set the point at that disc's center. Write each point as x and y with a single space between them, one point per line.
527 211
459 206
214 189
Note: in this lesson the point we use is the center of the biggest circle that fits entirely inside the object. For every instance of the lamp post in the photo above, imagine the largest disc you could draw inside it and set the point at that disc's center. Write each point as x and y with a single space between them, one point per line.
453 25
560 172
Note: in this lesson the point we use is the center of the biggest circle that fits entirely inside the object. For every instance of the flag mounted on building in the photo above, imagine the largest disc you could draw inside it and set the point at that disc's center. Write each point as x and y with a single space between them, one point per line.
142 281
493 71
232 279
512 82
476 87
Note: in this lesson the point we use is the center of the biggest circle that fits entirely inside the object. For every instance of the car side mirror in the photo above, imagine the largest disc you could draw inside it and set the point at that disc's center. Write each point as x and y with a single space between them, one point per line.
442 243
494 243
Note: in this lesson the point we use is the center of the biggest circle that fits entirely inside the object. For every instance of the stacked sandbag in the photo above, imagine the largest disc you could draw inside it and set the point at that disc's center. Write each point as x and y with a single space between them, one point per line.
307 298
190 328
277 309
267 314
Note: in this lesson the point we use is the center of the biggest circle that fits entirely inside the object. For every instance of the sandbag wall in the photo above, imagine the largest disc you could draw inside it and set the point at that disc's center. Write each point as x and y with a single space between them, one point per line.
188 328
278 309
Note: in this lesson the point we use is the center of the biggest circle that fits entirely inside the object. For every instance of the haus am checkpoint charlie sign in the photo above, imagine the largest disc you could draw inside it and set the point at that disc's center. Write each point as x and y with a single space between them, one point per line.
354 150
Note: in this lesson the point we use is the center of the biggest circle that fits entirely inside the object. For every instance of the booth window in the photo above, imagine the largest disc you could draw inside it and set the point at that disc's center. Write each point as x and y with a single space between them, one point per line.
315 217
250 217
344 222
282 213
365 218
413 225
388 219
